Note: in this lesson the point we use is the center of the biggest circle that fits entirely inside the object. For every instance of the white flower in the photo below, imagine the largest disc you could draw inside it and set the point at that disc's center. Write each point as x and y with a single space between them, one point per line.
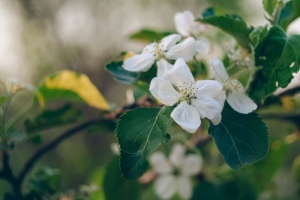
238 57
203 46
174 173
167 48
196 100
186 25
235 91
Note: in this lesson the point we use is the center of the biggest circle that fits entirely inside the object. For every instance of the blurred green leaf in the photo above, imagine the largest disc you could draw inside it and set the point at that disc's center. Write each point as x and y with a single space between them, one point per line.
2 99
140 132
279 56
115 187
149 75
296 169
148 35
289 13
107 126
50 118
241 139
209 12
122 75
45 181
72 86
141 89
233 25
205 190
269 6
258 34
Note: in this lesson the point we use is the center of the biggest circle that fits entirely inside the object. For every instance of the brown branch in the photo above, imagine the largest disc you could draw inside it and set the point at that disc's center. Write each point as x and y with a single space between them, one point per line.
289 92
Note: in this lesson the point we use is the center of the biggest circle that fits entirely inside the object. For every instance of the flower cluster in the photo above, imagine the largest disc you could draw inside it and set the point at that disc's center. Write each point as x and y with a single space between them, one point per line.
174 173
175 84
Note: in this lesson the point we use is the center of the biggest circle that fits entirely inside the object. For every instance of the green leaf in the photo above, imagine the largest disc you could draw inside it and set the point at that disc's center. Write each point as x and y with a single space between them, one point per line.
45 181
50 118
209 12
71 86
241 139
269 6
258 34
289 13
233 25
279 56
122 75
2 99
115 187
148 35
139 133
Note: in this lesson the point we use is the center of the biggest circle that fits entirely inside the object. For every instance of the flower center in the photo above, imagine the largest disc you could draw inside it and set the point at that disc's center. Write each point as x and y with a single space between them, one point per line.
232 84
188 91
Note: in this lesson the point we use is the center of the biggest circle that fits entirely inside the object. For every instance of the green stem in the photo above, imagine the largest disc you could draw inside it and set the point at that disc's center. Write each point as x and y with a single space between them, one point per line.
277 13
18 115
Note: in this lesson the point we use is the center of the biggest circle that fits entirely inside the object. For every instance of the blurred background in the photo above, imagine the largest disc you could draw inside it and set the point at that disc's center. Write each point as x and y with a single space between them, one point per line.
40 37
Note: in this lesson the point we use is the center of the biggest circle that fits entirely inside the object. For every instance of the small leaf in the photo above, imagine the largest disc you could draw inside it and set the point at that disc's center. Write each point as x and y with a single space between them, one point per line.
258 34
209 12
139 133
45 181
72 86
122 75
289 13
148 35
241 139
115 187
269 6
51 118
2 99
233 25
279 56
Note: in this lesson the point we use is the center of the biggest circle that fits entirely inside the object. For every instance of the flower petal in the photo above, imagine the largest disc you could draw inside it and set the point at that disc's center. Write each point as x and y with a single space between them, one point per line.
164 91
165 186
180 74
221 98
150 48
177 154
207 106
240 102
169 41
163 67
185 50
186 25
139 63
184 187
192 164
160 163
219 69
187 117
203 46
217 119
209 87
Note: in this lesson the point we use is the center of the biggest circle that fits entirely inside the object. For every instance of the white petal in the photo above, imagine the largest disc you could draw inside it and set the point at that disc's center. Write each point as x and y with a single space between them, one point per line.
221 98
150 49
209 87
207 106
219 70
139 63
180 74
177 154
241 103
217 119
187 117
185 50
164 91
165 186
185 187
183 22
169 41
192 164
203 46
163 67
160 163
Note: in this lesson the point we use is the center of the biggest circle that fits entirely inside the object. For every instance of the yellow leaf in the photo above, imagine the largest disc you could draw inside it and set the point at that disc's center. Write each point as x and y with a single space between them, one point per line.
79 84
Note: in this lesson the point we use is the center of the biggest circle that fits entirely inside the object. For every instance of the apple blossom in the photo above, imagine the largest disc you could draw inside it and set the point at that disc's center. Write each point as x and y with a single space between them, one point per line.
196 100
157 51
236 96
174 173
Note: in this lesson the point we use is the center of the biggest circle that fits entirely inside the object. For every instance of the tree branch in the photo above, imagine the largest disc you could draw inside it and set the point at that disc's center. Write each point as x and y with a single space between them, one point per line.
142 102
